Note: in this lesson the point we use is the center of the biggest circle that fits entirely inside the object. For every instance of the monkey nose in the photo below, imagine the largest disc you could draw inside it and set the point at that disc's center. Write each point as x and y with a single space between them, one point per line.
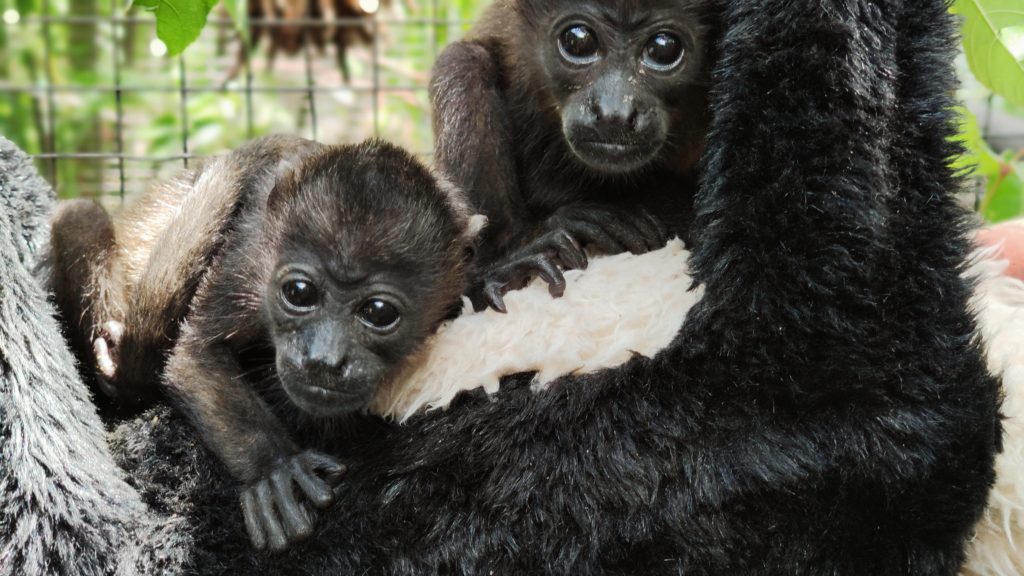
327 361
618 116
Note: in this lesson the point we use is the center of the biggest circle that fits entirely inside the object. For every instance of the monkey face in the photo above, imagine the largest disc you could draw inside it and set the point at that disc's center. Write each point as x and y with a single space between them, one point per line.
337 336
364 251
621 78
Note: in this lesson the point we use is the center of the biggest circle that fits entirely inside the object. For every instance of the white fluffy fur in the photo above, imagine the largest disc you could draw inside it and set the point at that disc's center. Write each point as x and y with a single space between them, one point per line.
619 306
998 545
628 304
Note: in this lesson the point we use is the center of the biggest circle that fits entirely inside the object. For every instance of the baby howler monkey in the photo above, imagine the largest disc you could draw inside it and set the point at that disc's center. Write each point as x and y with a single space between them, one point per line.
283 270
574 124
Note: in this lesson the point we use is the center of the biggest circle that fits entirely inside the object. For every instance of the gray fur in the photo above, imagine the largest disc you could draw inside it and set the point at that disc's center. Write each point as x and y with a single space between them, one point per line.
65 507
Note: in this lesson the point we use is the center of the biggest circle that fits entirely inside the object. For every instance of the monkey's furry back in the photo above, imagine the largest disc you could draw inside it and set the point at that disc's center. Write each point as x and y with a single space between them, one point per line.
825 409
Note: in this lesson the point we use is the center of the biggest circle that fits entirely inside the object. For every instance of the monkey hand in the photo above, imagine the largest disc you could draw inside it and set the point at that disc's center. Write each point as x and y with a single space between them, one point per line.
608 228
603 228
274 516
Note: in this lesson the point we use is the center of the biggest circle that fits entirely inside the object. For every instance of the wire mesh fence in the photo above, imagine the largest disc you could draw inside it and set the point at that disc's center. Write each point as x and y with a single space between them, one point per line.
87 90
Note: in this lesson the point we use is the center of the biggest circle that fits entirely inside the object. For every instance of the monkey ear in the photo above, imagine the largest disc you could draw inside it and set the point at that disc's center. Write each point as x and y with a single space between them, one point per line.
459 204
475 225
471 236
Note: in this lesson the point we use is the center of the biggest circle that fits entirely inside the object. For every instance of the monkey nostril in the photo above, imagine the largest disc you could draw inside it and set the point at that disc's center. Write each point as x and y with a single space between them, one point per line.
595 110
634 120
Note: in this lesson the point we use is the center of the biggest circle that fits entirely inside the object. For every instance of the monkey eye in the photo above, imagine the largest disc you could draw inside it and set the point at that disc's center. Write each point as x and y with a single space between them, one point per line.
300 294
663 52
578 45
379 314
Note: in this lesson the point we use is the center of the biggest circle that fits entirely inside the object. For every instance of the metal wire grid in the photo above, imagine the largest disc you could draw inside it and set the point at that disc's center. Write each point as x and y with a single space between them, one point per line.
126 164
323 99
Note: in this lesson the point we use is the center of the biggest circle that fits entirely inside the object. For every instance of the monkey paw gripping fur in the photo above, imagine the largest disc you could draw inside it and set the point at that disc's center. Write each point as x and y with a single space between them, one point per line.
825 408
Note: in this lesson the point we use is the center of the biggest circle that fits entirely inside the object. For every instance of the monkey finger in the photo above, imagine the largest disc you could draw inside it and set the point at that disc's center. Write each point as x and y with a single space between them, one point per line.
595 236
494 296
268 518
315 488
112 330
323 465
252 523
655 232
478 299
297 523
630 236
567 249
608 230
106 365
552 275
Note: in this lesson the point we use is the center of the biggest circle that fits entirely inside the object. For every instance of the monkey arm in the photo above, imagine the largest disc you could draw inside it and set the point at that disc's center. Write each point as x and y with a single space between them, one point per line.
87 285
560 240
207 384
472 142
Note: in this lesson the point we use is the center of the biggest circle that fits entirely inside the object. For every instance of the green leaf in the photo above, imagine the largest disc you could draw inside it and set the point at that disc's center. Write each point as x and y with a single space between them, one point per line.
978 158
989 38
178 22
1004 197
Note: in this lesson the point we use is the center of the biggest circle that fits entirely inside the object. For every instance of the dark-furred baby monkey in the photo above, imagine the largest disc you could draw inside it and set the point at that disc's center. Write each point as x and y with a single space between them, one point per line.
327 266
573 124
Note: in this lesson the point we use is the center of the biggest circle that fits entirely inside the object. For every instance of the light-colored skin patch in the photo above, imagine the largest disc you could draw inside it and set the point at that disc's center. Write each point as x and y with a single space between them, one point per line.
103 346
1009 237
620 306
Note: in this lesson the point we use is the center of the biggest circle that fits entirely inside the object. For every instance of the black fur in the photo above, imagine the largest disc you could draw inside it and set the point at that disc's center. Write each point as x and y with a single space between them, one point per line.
825 409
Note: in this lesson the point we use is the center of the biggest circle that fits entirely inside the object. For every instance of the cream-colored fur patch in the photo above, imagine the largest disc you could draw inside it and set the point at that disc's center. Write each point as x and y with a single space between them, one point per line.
628 304
620 306
998 545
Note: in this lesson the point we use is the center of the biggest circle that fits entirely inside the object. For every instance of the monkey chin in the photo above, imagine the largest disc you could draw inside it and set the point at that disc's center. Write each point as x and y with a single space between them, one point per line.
327 397
614 158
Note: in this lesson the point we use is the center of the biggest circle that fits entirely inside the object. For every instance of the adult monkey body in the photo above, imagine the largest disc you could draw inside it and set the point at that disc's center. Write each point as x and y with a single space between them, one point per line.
303 277
573 123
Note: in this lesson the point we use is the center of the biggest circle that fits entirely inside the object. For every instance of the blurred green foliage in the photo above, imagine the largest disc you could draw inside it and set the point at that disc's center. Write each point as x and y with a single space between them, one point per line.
106 53
60 80
993 38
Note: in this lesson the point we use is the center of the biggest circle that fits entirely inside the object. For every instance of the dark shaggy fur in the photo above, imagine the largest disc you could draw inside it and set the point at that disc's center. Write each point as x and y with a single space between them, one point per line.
825 409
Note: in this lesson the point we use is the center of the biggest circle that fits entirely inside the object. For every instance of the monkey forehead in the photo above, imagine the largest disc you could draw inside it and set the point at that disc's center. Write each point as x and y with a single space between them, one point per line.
363 236
620 14
372 188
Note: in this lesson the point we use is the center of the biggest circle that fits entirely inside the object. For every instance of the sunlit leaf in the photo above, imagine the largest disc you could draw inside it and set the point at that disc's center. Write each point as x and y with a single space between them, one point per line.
978 158
1004 197
178 22
990 36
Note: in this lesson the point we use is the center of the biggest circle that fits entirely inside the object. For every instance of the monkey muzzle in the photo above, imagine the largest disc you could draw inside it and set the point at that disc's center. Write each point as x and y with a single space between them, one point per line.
327 391
615 141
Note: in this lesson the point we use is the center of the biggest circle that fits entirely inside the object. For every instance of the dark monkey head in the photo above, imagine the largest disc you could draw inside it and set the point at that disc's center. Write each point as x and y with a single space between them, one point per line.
627 77
368 249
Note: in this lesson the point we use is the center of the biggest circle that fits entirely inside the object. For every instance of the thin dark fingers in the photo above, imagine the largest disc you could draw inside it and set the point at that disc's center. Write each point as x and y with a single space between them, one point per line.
493 294
595 236
315 488
257 536
297 523
552 275
565 247
268 518
324 465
